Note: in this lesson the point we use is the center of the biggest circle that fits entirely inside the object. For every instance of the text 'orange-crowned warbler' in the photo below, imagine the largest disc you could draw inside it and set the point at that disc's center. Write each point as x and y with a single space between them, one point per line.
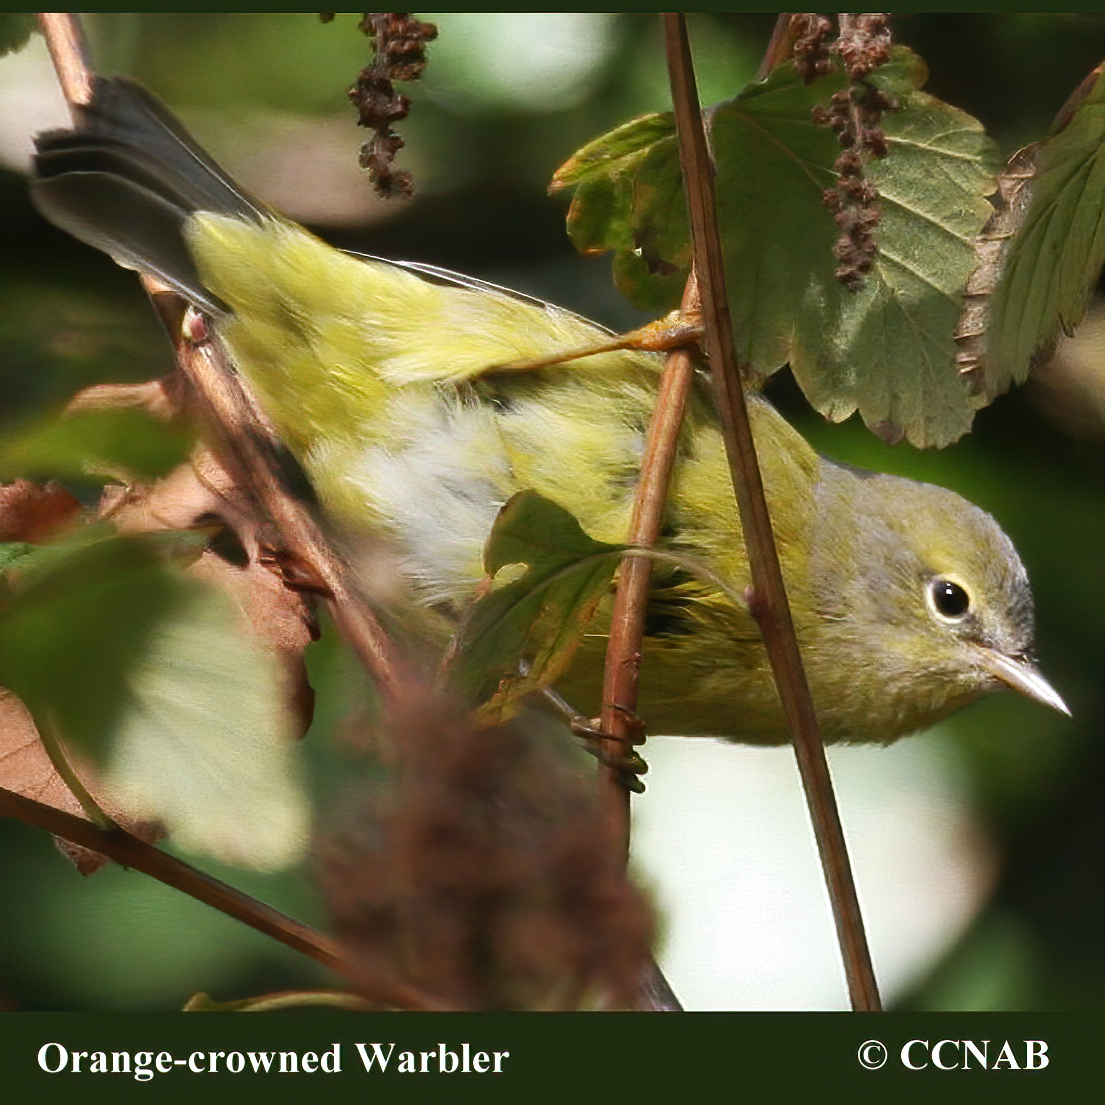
908 601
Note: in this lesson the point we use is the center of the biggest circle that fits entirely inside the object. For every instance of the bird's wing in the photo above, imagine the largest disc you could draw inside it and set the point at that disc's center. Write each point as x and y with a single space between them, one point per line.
448 278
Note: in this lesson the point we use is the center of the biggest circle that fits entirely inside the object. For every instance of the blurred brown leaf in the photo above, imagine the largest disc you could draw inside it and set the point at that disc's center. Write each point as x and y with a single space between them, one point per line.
486 878
201 494
35 512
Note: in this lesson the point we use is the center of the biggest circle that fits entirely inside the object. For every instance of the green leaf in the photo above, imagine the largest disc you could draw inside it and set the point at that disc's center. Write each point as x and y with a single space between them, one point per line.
1055 259
206 746
629 198
614 152
11 552
539 617
16 29
887 351
125 443
150 674
78 616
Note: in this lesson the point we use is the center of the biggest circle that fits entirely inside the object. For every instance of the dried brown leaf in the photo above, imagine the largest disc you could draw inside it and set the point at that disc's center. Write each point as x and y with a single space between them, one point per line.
25 768
202 493
1011 203
34 512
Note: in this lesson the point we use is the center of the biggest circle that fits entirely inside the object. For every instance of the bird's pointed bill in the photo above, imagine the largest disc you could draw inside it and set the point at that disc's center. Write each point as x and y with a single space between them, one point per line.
1023 677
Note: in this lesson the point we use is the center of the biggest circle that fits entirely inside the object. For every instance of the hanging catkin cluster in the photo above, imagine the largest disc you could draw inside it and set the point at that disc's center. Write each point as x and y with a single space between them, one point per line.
855 113
399 43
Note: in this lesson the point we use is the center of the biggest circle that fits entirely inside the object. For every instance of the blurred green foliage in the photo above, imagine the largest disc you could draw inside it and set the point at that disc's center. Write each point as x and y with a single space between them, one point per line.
120 443
65 598
482 157
15 29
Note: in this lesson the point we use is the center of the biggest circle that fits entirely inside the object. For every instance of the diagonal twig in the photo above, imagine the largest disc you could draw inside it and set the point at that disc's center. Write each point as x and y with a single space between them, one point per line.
247 446
768 600
129 851
780 46
627 621
233 419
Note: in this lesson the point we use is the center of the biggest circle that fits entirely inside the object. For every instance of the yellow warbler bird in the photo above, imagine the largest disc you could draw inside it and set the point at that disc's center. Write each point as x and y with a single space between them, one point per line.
908 601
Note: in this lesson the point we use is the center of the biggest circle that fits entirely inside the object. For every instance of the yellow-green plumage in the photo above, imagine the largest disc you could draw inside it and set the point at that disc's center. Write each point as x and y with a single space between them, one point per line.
384 391
382 381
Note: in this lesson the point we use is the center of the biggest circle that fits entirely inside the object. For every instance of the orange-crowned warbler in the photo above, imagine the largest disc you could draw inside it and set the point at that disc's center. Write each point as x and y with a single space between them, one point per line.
908 601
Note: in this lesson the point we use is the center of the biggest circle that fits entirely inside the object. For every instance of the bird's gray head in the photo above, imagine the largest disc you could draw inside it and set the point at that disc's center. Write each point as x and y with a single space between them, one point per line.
923 593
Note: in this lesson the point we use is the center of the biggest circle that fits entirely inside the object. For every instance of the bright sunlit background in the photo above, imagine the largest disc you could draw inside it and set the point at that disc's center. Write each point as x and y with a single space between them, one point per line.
724 841
977 848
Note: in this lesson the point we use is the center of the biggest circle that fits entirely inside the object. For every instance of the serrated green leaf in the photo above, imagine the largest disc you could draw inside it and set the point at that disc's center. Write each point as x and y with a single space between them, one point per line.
629 199
127 444
593 218
539 617
892 354
16 29
886 351
149 674
1055 259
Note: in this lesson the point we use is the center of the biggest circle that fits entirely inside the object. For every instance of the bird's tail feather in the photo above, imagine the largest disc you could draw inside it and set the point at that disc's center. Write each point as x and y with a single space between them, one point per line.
126 180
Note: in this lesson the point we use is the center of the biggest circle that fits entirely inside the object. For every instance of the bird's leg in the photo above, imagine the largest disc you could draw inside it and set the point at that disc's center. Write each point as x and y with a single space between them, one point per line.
673 331
629 765
293 571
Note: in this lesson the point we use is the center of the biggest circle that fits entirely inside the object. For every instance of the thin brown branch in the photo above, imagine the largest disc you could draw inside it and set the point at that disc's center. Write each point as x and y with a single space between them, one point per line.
627 622
246 445
780 47
234 418
768 601
69 53
129 851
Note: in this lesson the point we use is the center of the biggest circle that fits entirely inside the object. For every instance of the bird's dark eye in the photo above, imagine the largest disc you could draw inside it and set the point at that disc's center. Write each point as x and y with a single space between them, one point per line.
949 599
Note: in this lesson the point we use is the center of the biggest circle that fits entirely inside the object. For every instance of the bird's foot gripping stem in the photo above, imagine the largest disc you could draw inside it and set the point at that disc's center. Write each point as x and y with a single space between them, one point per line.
628 764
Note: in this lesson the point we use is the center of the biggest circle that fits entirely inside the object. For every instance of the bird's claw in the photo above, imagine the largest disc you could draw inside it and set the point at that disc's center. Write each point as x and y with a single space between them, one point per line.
628 764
